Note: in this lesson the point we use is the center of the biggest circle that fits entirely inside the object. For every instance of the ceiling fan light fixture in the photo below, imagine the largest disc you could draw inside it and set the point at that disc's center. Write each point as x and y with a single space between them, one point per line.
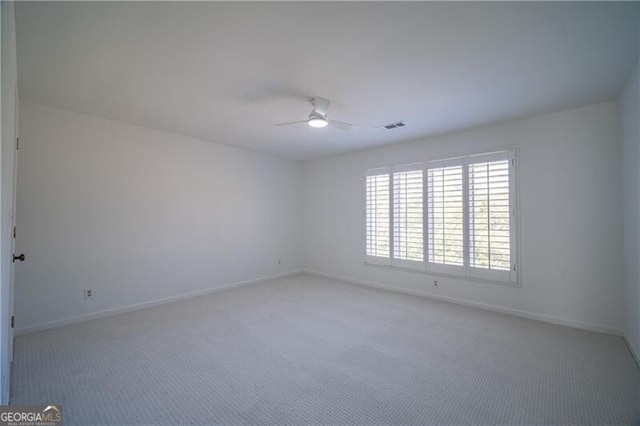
318 117
317 122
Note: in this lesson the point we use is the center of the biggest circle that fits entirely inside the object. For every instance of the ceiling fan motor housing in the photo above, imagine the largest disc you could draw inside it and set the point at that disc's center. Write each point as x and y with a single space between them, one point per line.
320 106
317 120
317 115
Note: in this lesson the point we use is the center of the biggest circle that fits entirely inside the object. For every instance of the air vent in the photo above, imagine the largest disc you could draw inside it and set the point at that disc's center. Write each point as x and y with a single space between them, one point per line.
394 125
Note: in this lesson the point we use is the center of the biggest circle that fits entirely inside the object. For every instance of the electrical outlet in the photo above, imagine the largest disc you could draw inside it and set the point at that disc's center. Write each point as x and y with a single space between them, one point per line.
89 294
435 283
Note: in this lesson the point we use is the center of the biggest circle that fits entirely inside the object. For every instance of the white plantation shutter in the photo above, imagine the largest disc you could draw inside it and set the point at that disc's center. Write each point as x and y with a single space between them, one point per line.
491 212
489 215
455 217
408 233
378 215
445 212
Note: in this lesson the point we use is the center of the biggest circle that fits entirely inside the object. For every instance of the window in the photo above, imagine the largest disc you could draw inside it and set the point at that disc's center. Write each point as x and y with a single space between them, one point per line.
491 206
377 200
489 235
455 216
394 202
445 212
407 216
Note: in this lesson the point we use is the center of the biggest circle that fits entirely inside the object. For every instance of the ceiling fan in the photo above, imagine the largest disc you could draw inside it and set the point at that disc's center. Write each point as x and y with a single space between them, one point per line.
318 117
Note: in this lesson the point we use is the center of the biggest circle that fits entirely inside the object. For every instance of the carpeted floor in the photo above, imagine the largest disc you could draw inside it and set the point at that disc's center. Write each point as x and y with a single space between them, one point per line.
306 350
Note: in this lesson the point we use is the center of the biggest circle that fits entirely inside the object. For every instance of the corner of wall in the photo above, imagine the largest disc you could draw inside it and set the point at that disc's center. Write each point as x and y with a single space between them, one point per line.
634 351
629 139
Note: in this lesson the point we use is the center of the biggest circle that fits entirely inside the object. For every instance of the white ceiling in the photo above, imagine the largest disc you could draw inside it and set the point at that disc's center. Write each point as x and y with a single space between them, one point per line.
225 72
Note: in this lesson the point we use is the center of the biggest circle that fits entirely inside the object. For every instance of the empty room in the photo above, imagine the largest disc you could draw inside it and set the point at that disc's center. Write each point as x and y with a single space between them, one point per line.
375 213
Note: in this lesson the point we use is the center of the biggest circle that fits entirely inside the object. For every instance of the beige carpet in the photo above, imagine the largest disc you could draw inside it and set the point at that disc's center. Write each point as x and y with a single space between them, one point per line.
306 350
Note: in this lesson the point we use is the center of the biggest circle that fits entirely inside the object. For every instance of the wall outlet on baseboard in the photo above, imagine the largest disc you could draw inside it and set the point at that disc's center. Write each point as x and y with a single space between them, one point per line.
435 283
89 294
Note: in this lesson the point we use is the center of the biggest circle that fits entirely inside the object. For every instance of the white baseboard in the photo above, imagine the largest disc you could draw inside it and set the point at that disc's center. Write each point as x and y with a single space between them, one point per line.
494 308
115 311
634 351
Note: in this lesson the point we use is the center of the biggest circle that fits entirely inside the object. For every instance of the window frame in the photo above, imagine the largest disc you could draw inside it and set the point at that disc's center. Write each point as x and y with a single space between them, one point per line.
512 277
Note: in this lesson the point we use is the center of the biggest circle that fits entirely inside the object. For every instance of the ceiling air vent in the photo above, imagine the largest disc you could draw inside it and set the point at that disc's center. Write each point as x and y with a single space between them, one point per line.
394 125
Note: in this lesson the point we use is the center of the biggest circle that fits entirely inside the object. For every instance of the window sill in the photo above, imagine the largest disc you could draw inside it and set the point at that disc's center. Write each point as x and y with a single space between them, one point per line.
442 274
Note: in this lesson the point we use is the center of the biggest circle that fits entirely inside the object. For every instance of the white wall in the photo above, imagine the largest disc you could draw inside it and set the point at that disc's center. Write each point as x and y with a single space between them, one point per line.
570 198
7 148
630 136
140 215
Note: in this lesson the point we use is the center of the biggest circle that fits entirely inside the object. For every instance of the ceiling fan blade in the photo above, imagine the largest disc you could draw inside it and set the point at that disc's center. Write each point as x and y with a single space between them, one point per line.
347 127
291 123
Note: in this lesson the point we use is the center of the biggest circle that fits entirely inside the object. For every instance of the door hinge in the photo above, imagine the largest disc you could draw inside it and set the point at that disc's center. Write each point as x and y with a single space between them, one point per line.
14 232
17 143
13 321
